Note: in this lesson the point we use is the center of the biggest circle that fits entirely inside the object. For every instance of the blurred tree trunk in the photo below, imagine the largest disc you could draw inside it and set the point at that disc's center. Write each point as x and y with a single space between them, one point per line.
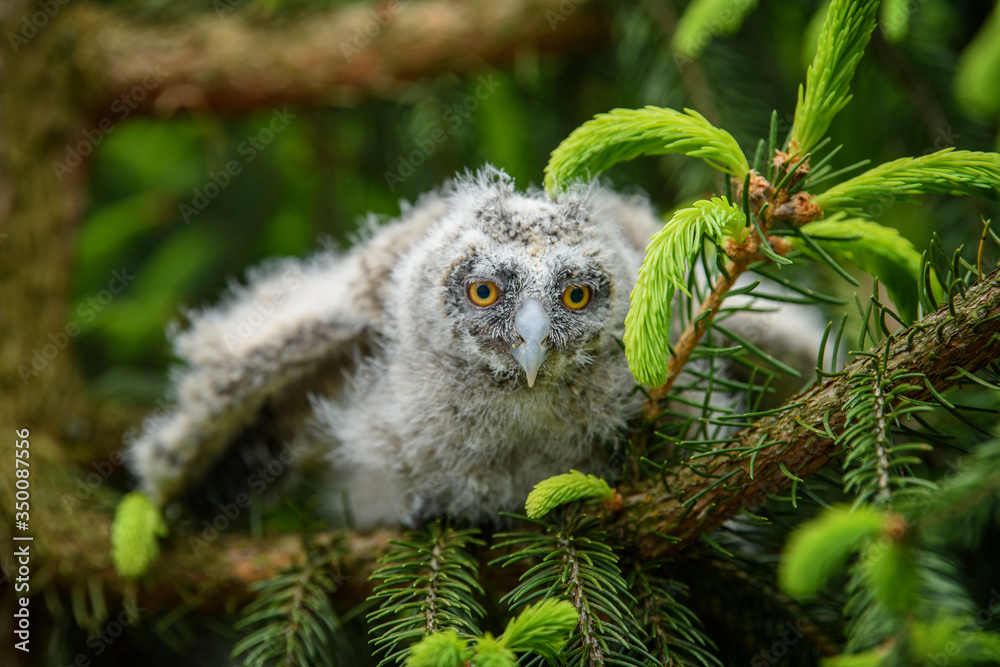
41 107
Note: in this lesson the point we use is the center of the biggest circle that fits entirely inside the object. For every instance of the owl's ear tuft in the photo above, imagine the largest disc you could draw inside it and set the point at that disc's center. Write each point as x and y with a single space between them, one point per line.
489 175
486 180
486 192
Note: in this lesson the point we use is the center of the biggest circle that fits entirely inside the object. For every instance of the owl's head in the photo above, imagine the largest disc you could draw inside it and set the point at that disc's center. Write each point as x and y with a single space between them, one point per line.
528 288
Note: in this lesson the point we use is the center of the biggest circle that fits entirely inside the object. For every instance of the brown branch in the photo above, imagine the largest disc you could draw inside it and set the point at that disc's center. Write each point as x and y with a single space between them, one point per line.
74 541
765 204
228 61
691 336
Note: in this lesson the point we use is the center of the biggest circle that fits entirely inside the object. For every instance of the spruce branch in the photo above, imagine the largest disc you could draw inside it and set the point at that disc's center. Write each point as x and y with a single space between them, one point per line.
883 445
878 250
845 33
623 134
676 634
668 257
692 335
947 171
572 561
292 621
745 575
903 587
664 269
960 508
876 402
671 251
691 501
428 583
590 644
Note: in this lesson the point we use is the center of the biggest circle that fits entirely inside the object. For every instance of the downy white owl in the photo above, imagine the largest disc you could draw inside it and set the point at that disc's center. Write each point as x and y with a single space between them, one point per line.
459 355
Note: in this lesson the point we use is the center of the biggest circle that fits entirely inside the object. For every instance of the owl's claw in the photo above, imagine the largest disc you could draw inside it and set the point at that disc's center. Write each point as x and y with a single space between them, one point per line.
531 322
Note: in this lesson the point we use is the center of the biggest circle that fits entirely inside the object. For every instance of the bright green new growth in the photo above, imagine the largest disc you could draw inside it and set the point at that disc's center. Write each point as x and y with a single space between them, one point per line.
894 576
541 628
846 31
440 649
561 489
945 172
490 652
668 257
878 250
705 19
134 534
624 134
819 548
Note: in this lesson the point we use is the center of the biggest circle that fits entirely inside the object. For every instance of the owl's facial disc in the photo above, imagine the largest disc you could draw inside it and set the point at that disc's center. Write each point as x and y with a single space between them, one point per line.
532 324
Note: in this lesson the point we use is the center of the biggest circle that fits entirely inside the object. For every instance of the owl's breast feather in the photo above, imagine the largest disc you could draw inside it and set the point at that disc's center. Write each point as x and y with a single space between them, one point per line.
466 446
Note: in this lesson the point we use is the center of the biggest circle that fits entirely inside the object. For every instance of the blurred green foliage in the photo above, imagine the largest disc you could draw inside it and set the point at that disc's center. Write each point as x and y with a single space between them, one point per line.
323 172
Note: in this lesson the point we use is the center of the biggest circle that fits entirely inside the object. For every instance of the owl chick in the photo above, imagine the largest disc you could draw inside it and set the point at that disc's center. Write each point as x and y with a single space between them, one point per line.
458 356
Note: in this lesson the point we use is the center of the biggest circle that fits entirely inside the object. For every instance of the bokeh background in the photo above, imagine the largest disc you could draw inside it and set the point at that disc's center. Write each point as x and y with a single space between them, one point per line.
324 140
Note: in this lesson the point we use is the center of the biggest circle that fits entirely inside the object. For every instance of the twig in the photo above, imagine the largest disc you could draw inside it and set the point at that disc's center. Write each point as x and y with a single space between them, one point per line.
692 334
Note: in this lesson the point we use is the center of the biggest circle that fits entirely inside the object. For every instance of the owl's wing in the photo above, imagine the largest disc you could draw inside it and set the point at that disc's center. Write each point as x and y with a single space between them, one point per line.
249 363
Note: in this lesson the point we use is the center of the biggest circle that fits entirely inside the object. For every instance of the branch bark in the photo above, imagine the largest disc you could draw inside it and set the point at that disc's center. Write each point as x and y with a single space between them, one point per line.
231 61
690 503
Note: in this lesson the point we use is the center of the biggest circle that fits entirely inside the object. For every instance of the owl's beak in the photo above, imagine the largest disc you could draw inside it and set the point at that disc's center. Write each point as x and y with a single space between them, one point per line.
531 323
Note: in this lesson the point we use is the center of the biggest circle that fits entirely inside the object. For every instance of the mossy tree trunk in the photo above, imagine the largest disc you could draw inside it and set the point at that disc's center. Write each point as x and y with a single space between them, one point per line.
43 99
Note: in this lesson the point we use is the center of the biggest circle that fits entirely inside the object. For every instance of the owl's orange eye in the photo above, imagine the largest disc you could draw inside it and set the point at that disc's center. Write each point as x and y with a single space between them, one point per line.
576 297
483 293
